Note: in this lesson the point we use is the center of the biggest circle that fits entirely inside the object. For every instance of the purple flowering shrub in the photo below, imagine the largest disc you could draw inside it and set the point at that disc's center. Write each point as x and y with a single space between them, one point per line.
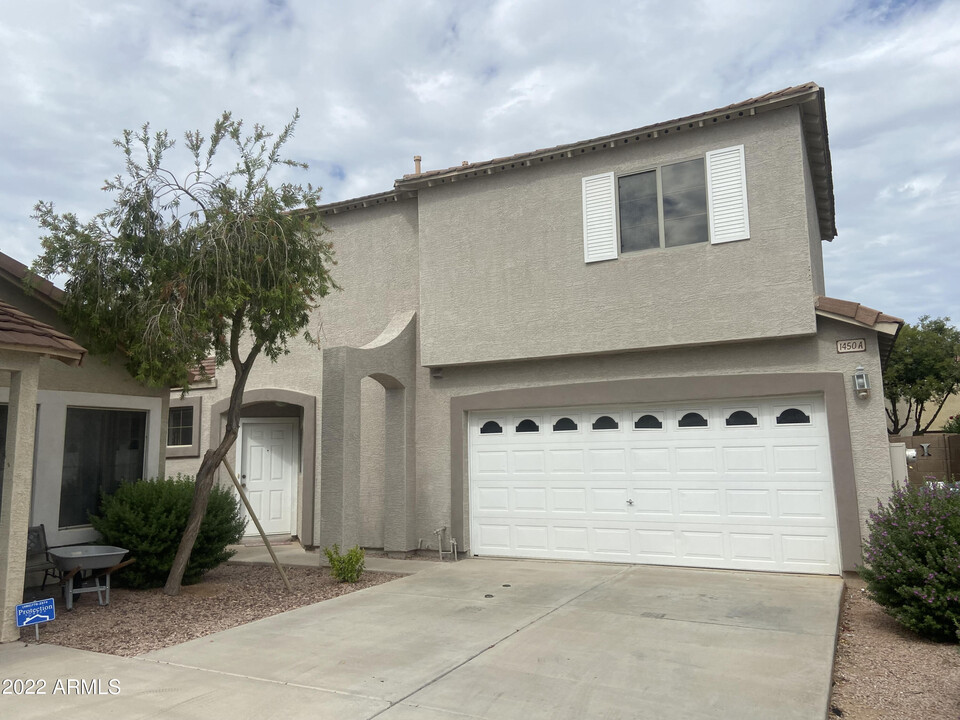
912 559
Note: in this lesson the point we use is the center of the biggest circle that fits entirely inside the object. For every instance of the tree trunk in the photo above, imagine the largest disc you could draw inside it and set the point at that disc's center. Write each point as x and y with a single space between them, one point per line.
198 509
211 461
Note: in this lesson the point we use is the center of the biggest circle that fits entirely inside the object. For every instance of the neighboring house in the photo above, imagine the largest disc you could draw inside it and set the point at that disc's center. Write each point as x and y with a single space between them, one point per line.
617 349
69 430
950 409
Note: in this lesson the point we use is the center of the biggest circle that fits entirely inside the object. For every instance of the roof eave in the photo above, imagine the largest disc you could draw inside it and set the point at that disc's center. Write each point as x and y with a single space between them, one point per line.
72 358
15 271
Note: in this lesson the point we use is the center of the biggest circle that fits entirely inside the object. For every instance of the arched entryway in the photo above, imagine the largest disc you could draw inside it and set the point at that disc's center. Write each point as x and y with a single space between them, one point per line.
276 450
345 508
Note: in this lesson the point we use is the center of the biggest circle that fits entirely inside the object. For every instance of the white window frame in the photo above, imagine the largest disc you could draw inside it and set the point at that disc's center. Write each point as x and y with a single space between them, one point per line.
728 217
193 449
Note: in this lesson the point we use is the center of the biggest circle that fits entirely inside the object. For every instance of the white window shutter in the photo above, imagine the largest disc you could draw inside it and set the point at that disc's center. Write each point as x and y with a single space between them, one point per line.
727 195
599 218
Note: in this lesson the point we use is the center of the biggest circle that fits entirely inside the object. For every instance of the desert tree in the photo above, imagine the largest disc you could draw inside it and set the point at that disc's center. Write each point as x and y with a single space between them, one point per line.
922 372
191 261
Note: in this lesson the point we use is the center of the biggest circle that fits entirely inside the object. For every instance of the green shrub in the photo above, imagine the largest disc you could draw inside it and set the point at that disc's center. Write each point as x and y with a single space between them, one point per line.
148 518
952 425
345 568
913 559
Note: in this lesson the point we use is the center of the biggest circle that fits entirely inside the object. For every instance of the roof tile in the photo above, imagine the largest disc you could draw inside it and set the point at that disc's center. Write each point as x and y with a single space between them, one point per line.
24 332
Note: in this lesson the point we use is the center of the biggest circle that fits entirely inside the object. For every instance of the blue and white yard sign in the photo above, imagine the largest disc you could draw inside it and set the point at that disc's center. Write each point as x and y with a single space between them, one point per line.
36 612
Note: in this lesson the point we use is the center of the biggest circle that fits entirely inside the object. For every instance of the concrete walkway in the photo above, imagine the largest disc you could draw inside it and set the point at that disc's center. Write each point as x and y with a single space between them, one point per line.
486 639
293 554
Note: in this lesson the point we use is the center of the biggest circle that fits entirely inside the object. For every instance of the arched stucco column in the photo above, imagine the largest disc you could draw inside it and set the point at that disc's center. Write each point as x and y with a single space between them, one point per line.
391 361
308 448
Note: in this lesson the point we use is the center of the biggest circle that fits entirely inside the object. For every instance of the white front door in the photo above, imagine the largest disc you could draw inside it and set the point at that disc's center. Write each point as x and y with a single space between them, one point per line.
268 466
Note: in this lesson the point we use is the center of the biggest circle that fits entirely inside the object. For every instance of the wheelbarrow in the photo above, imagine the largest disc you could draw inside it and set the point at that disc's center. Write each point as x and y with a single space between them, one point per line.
75 559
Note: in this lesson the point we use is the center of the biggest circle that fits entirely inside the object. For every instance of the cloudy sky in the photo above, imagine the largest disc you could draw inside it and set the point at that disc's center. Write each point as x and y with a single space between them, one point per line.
379 82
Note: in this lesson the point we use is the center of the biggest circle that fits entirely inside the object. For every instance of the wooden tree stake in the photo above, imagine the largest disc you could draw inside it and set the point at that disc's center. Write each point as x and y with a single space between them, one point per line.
256 521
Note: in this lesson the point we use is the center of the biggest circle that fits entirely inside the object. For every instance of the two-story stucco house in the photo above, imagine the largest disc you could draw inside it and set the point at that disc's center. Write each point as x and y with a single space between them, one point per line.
616 350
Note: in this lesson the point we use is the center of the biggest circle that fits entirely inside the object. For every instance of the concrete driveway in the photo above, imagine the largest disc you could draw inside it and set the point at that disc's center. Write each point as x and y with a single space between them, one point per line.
487 639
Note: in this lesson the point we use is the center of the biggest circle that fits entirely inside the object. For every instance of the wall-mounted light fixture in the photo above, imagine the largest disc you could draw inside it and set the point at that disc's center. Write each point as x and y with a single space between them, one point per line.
861 382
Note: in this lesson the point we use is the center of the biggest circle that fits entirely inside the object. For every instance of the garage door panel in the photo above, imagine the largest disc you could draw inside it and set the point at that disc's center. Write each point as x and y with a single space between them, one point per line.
606 460
531 537
741 496
566 461
530 499
611 541
697 460
493 536
571 539
653 545
752 504
701 545
492 499
527 461
655 460
797 459
491 462
753 547
653 501
698 503
569 500
609 500
806 549
745 459
803 504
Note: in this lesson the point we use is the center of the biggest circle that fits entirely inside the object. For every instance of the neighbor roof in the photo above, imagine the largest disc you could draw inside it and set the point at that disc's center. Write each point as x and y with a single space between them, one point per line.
45 290
24 333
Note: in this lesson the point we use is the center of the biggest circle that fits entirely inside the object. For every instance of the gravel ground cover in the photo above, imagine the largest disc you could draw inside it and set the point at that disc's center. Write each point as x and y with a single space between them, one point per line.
137 621
885 672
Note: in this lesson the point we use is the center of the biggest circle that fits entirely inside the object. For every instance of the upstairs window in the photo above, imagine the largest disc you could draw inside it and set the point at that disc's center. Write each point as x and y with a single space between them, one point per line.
696 200
666 207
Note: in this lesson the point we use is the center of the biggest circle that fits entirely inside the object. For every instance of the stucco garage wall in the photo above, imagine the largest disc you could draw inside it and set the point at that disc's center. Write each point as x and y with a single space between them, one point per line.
503 276
870 457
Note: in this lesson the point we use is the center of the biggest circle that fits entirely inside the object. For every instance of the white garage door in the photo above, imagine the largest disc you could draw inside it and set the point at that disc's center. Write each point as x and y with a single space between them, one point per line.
740 484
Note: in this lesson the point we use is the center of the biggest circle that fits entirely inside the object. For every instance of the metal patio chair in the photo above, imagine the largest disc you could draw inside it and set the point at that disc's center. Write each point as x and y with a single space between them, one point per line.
37 557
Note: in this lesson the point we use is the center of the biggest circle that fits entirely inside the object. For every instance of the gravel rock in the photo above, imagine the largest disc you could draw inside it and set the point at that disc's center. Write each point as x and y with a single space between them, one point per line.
885 672
138 621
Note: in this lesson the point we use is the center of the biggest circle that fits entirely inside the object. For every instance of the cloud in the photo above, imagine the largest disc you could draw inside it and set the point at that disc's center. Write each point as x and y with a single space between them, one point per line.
476 80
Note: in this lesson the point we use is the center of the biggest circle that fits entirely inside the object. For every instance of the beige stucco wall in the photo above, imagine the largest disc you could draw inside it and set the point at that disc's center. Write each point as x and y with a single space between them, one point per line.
376 253
502 272
797 355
